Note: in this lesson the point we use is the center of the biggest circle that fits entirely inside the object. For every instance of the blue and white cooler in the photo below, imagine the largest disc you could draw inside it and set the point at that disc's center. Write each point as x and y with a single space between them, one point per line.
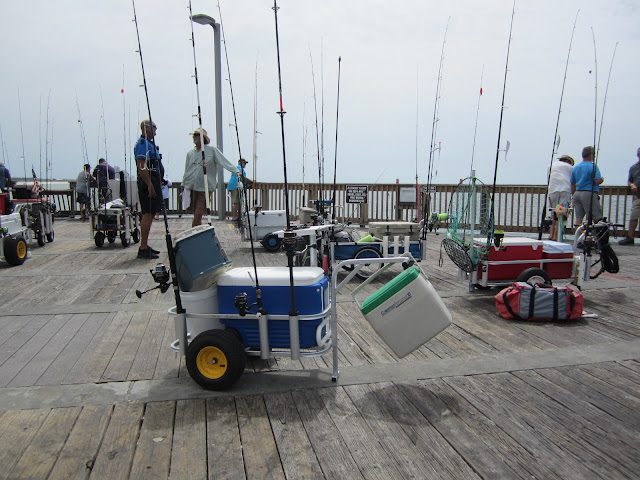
311 288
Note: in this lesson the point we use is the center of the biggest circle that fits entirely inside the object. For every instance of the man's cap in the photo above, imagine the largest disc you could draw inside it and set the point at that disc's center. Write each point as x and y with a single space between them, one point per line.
568 159
587 151
204 134
243 160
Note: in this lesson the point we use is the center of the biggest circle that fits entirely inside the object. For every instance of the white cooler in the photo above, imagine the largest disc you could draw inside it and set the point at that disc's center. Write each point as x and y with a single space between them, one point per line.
266 222
406 312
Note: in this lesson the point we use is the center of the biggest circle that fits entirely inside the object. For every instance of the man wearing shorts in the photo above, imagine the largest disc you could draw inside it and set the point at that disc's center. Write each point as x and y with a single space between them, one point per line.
559 189
585 185
149 185
633 181
193 179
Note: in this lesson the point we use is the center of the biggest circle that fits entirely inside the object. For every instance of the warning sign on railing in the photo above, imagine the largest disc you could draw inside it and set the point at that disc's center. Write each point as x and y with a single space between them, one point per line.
357 193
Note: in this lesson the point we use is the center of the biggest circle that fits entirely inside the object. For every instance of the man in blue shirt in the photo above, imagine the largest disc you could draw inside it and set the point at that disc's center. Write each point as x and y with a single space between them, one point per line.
585 184
149 184
634 182
235 185
5 178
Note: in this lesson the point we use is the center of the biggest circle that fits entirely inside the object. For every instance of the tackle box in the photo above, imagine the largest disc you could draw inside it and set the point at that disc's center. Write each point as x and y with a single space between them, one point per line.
199 258
557 251
267 221
311 288
392 229
406 312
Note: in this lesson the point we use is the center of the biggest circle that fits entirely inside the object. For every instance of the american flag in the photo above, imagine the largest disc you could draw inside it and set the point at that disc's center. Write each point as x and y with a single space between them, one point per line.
36 184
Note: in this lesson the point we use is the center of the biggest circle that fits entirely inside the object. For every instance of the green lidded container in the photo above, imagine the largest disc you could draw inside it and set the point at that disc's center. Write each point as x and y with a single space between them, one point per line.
384 293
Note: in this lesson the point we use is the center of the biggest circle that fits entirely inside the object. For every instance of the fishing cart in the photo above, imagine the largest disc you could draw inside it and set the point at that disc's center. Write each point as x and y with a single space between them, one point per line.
117 218
222 324
37 216
488 258
13 234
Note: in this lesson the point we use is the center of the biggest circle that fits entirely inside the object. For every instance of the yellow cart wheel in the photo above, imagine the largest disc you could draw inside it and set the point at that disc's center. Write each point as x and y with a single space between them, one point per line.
215 359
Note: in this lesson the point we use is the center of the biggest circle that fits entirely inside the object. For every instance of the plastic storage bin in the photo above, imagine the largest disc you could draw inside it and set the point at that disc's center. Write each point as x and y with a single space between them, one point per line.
406 312
199 258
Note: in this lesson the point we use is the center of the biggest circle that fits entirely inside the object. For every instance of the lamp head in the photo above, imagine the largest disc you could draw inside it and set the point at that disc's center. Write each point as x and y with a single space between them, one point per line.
203 19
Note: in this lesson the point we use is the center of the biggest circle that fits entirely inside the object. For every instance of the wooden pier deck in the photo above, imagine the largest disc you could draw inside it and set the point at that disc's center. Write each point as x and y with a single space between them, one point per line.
90 389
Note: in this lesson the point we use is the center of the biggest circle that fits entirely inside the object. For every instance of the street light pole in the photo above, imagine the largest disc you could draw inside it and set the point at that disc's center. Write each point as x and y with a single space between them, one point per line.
207 20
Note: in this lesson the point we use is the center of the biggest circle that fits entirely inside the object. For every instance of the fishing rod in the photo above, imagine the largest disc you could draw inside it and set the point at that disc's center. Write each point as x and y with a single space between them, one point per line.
475 128
24 162
289 241
322 112
335 156
417 118
427 197
46 144
242 175
226 56
495 170
556 139
255 136
204 163
304 153
315 105
180 311
604 100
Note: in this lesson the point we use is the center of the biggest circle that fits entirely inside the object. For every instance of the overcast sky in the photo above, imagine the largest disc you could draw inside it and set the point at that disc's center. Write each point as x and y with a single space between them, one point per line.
56 52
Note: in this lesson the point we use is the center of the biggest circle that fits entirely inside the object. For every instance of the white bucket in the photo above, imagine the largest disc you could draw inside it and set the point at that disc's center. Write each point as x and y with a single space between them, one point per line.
203 301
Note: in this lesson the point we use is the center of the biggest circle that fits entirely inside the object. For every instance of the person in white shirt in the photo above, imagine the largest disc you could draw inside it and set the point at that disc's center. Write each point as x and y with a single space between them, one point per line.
559 189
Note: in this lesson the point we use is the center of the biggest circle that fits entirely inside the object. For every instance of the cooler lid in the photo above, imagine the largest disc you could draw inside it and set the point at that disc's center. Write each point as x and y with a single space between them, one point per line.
383 294
271 276
550 246
193 231
275 213
513 242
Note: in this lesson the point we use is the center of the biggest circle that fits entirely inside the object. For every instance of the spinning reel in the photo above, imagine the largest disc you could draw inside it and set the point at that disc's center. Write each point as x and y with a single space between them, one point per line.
160 275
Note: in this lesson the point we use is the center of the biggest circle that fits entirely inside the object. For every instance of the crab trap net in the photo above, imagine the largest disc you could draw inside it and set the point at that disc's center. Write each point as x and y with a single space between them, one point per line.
470 229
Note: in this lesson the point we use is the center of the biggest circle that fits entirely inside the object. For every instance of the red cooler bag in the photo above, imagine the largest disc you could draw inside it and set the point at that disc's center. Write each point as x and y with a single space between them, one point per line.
523 301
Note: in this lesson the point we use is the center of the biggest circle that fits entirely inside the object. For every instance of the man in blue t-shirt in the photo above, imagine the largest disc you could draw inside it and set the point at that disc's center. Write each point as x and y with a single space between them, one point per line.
235 185
5 178
149 184
585 184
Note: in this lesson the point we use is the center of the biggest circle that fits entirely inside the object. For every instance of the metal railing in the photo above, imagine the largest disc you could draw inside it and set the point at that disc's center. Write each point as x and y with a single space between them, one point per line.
516 207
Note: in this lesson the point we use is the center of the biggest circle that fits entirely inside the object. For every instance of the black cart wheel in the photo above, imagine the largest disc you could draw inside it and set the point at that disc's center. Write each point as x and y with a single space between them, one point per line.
40 238
15 250
50 237
368 269
215 359
99 239
533 276
124 240
135 235
271 243
111 237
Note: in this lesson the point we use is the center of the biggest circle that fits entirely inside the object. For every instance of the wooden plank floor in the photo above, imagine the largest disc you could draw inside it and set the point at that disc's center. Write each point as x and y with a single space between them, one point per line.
90 389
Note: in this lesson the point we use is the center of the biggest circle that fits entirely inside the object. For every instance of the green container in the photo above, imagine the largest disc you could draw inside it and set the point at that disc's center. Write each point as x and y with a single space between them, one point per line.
384 293
368 238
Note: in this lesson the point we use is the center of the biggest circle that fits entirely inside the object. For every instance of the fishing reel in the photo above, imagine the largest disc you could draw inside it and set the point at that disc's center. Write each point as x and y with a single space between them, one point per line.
241 303
161 276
